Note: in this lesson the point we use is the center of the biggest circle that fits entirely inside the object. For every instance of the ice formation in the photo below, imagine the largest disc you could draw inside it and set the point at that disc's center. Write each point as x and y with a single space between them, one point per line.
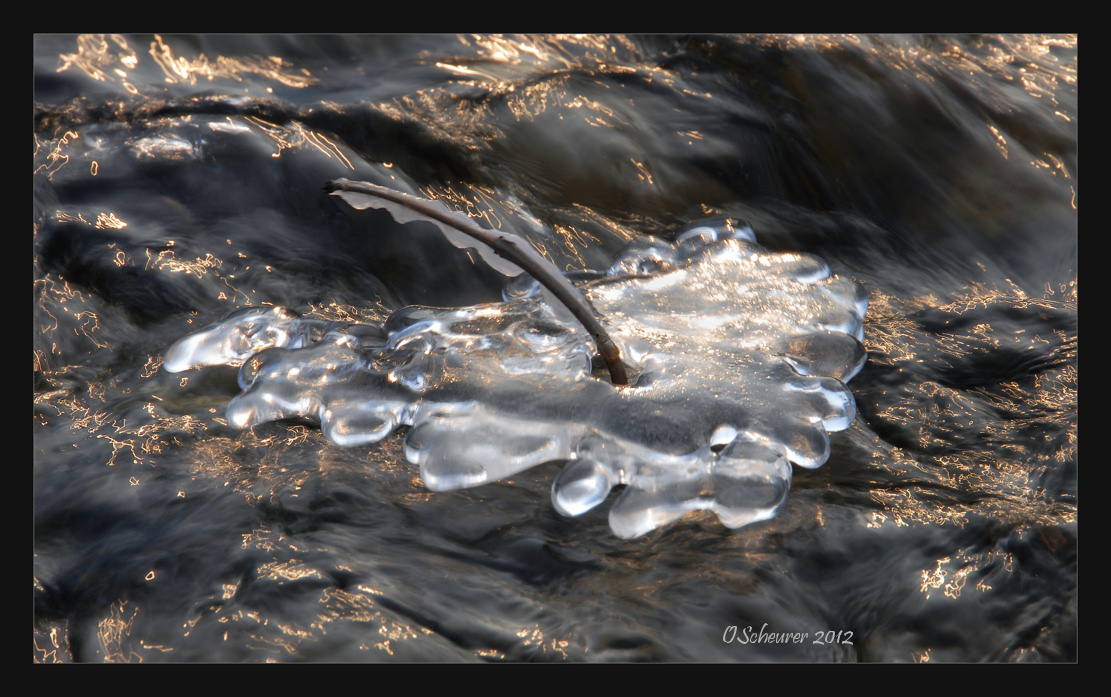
739 358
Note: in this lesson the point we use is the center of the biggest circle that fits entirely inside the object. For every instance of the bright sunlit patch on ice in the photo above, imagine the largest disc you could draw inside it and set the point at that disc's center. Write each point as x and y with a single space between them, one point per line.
740 358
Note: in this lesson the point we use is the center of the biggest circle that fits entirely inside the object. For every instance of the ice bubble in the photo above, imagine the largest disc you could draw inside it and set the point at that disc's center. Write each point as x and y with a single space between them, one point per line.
740 358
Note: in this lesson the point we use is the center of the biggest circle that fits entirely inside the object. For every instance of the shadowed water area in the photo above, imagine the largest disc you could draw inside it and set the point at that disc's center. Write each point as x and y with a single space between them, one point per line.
180 179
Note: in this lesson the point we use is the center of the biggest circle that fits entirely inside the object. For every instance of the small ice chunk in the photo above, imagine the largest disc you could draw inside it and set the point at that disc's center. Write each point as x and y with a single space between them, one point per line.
239 336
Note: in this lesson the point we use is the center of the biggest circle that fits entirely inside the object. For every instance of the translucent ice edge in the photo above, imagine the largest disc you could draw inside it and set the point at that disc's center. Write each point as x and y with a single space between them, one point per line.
741 355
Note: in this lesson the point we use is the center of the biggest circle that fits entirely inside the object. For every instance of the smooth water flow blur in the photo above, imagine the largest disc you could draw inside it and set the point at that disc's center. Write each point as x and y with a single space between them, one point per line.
270 424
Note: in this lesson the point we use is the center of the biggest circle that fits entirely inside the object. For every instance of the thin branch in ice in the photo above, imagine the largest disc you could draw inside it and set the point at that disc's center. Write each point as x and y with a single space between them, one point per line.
405 208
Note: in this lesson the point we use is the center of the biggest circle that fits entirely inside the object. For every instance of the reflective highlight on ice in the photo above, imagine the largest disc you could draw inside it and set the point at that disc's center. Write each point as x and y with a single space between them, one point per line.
739 355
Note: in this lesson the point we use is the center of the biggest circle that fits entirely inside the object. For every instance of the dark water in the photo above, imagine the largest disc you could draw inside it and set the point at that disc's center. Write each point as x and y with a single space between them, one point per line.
178 178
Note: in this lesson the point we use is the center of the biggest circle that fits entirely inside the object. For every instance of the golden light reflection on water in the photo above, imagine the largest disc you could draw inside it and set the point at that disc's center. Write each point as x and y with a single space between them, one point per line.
291 570
56 158
114 634
973 440
950 575
52 644
534 637
955 439
528 76
566 245
94 54
371 312
97 54
61 308
293 135
1039 70
286 638
259 631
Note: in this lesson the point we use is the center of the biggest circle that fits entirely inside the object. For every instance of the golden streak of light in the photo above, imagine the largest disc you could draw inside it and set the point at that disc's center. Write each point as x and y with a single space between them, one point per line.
287 571
1001 141
384 646
113 632
502 50
64 217
166 260
489 204
117 446
89 323
478 202
642 172
953 588
326 146
130 61
55 159
92 54
463 70
179 69
347 313
1058 164
175 70
151 367
268 642
93 168
57 648
396 632
290 630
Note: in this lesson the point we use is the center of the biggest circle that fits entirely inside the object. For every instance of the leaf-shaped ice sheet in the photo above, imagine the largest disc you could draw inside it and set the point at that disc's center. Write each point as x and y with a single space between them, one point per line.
741 355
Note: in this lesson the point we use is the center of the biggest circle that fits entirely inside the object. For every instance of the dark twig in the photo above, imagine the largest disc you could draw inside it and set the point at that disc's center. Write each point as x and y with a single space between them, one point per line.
508 247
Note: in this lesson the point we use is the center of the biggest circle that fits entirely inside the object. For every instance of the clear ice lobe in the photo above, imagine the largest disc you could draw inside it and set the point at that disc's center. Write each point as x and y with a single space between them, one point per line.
239 336
741 357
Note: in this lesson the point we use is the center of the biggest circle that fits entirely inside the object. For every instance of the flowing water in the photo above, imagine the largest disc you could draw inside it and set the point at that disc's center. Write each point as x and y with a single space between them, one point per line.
178 179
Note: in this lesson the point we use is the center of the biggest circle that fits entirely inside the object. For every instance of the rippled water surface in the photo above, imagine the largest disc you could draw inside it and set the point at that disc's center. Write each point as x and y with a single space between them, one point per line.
179 178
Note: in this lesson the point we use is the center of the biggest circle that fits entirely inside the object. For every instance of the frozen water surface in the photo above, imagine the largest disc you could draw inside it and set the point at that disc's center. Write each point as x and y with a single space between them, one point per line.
739 360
